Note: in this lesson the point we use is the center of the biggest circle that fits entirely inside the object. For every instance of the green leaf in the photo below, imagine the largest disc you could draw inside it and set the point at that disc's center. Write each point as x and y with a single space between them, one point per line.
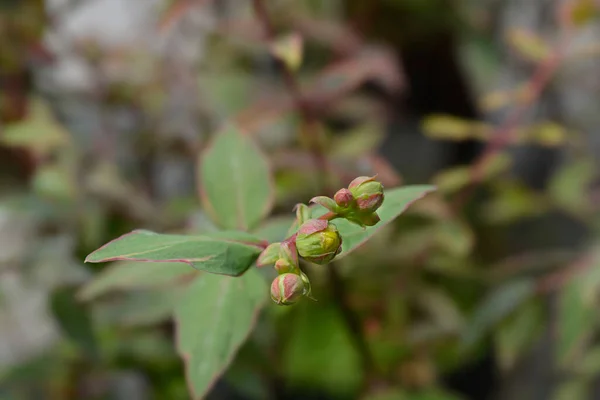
518 333
569 186
138 308
135 275
390 394
74 319
214 318
574 389
227 253
590 364
236 183
397 394
497 306
39 133
396 202
576 318
289 50
433 394
320 352
449 127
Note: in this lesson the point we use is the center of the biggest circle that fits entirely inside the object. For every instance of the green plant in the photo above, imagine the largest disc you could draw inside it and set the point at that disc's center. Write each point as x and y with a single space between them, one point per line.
217 309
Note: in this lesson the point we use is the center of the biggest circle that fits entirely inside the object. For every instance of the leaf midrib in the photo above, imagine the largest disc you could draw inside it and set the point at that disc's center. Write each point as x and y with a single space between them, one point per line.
186 240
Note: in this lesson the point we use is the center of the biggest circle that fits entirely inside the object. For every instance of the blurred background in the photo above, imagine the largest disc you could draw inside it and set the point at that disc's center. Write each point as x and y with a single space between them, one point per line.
487 289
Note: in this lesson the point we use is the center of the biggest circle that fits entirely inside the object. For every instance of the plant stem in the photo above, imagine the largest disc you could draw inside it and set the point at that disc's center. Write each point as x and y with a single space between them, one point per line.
310 126
504 134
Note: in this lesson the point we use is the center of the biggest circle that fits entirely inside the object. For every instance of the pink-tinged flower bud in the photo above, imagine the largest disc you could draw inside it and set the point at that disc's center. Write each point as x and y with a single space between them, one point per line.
318 241
269 255
368 193
343 198
287 289
325 202
282 266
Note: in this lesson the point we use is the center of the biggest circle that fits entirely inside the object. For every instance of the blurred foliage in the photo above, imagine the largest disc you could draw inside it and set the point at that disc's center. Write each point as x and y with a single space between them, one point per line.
489 266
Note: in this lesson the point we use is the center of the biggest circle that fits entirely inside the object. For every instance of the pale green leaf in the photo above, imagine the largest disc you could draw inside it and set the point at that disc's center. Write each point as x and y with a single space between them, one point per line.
449 127
39 133
135 275
358 141
390 394
518 333
228 253
288 49
74 320
576 320
569 186
236 183
213 320
495 307
575 389
135 308
432 394
528 44
590 364
320 352
397 394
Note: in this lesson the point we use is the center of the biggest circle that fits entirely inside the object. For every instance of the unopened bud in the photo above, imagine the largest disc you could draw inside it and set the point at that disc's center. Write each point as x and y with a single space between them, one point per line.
287 289
343 198
283 266
368 193
318 241
289 253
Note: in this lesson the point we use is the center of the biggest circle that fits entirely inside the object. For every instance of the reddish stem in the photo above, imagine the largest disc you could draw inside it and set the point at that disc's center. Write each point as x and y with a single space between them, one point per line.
310 126
504 134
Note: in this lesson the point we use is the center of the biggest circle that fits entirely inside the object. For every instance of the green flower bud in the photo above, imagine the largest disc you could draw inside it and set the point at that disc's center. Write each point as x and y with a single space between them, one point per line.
368 193
287 289
318 241
269 255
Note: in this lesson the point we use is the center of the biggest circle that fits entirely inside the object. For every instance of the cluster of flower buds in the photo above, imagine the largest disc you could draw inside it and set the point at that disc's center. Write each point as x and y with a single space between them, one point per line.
358 203
318 240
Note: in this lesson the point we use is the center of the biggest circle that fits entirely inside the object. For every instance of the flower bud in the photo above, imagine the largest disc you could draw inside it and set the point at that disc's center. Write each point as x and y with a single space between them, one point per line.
289 253
343 198
269 255
318 241
368 193
287 288
283 266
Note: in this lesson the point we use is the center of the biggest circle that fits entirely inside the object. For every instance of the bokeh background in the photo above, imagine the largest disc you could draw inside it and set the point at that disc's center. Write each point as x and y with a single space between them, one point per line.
487 289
